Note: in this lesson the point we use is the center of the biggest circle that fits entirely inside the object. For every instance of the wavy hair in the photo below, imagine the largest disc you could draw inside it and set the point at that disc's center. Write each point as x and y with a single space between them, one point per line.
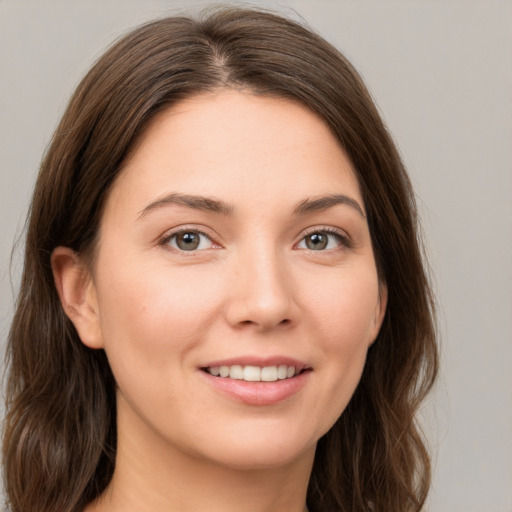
59 442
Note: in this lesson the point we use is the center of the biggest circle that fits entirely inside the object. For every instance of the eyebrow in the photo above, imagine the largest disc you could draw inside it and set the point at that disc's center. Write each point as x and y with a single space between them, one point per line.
206 204
323 203
209 204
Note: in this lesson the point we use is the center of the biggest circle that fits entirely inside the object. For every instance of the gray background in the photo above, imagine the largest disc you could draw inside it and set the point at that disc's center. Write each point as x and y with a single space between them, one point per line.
441 72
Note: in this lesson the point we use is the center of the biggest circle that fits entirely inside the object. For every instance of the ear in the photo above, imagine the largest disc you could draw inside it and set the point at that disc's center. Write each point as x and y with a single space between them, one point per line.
77 295
380 311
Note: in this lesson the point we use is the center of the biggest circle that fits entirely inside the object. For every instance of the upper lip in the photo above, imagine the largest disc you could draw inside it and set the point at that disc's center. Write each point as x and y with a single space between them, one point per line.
259 361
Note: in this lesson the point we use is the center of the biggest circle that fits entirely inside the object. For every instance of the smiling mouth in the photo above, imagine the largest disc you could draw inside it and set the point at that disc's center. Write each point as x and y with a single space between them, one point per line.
250 373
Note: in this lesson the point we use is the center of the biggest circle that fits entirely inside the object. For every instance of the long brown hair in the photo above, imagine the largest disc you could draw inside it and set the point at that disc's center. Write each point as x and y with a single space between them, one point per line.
60 431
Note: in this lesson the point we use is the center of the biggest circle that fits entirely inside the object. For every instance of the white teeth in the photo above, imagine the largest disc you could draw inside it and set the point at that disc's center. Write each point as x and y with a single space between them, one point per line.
253 373
236 372
215 370
282 370
269 373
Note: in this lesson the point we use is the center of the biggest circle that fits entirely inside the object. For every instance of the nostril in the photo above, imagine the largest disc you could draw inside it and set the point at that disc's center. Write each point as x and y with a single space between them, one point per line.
284 322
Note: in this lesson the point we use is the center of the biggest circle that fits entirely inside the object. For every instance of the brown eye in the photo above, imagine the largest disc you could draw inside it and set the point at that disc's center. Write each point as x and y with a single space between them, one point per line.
316 241
189 241
323 240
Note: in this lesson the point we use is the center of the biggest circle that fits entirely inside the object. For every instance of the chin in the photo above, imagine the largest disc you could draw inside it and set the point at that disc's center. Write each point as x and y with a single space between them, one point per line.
260 448
247 459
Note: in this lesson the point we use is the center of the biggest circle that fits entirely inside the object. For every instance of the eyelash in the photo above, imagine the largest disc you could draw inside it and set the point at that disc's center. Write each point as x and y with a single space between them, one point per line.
342 239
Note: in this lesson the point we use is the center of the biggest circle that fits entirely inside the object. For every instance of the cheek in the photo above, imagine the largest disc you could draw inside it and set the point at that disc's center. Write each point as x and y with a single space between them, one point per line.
344 317
152 322
346 310
153 317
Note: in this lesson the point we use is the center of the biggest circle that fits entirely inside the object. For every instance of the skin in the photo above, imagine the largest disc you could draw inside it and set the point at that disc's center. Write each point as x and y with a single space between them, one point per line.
252 288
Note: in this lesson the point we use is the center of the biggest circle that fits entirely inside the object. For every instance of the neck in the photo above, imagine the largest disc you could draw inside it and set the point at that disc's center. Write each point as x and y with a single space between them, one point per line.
154 476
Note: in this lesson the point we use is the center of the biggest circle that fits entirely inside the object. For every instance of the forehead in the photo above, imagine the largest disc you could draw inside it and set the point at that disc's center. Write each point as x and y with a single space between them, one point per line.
239 147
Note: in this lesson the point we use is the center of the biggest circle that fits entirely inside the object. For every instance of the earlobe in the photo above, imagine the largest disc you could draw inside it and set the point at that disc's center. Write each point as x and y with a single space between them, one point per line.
77 295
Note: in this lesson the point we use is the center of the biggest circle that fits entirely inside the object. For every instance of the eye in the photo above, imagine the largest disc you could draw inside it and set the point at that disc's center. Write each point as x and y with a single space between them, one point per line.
189 240
322 240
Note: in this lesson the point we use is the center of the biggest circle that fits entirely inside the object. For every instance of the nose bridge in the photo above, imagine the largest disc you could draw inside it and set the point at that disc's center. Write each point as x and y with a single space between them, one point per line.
261 288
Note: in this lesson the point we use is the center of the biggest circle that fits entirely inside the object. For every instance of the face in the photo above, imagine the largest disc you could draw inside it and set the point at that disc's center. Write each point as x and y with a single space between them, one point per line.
234 288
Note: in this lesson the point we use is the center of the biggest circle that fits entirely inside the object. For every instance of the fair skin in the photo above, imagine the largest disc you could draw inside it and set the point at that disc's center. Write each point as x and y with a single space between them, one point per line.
235 237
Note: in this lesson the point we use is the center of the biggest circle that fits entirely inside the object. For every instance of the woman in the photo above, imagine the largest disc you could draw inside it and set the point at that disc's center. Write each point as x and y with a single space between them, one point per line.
223 305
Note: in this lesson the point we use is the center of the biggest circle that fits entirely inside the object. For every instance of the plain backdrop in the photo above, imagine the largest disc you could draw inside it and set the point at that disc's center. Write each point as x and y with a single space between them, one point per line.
441 73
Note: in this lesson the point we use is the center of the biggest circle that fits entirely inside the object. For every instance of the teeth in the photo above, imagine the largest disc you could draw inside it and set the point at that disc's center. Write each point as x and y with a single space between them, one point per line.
236 372
269 373
253 373
282 372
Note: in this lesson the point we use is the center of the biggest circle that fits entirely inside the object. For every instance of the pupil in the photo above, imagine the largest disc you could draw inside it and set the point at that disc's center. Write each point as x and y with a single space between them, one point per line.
316 242
188 241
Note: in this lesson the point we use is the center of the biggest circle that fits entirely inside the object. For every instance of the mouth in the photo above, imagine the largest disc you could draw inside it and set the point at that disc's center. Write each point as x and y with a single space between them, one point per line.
257 381
251 373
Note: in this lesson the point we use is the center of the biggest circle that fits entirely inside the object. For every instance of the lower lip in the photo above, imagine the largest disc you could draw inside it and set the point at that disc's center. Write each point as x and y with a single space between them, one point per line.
258 393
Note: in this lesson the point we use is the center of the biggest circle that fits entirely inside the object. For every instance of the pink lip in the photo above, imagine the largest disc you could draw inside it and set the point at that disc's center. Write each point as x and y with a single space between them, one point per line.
258 393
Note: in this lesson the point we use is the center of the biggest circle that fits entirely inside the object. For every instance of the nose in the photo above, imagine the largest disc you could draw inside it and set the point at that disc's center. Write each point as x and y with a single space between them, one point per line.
261 292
